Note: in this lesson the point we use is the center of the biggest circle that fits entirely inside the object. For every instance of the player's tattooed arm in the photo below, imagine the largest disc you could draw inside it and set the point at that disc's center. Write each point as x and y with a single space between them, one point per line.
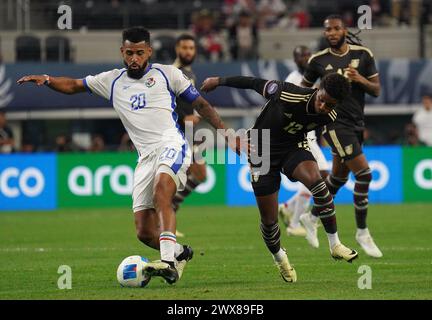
60 84
372 85
205 110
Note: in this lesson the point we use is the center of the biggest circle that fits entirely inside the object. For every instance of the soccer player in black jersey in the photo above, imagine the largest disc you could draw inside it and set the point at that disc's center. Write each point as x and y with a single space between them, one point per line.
196 174
345 135
289 113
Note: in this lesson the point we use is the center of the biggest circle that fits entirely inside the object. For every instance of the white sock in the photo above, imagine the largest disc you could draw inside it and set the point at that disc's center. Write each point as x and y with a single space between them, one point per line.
178 250
279 256
167 243
333 239
313 218
362 232
301 205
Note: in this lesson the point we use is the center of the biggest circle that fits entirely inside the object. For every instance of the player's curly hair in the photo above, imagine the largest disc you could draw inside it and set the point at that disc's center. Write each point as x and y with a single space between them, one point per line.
336 85
136 34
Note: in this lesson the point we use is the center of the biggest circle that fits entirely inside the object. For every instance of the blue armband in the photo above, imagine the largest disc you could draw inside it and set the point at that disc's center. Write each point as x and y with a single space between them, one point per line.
190 94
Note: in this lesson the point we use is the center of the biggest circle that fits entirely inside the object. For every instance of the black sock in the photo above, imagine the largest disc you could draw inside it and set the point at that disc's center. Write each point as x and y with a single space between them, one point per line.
361 196
271 236
324 206
190 186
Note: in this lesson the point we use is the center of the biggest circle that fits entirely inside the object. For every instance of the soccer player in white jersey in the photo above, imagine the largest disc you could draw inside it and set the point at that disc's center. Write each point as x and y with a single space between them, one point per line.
143 95
291 210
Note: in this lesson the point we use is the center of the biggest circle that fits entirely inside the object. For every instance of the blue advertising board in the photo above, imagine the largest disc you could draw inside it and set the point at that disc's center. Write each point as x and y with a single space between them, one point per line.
386 186
28 182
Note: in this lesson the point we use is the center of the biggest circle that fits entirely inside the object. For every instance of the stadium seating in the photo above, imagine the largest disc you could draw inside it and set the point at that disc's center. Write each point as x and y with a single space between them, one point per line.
27 48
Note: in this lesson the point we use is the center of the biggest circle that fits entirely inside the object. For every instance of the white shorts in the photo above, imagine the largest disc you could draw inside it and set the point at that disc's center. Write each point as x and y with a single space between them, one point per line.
316 152
171 158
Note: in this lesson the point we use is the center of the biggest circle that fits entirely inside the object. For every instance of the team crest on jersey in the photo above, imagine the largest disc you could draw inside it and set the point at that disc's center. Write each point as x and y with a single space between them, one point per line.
349 149
150 82
355 63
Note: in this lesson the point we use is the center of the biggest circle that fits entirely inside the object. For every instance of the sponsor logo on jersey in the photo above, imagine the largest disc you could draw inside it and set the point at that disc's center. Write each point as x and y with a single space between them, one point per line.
150 82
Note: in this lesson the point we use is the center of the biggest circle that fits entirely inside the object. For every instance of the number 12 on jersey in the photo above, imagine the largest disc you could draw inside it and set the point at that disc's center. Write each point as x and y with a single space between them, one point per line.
137 101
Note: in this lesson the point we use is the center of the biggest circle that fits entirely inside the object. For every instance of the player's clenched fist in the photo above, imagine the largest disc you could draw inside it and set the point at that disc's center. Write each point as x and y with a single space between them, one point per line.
210 84
39 80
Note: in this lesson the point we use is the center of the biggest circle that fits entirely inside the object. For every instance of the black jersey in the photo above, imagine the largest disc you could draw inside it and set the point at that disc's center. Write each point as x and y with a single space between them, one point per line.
351 110
289 112
290 115
184 108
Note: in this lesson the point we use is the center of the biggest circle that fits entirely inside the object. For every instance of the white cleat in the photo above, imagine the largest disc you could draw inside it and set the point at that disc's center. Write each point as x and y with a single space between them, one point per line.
298 231
311 229
368 245
285 213
340 252
287 272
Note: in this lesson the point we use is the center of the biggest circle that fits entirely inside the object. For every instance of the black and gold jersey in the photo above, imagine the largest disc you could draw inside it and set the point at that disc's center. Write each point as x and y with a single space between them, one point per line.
290 115
351 110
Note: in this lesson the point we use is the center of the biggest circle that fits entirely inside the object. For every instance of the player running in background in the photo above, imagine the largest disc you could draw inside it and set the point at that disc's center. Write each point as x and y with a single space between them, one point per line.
289 113
196 174
143 95
298 204
345 135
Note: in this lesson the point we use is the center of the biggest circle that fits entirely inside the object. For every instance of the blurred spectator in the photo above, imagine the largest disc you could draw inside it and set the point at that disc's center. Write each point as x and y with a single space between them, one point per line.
411 135
209 39
232 9
243 38
126 144
63 143
423 120
270 11
97 144
6 135
28 147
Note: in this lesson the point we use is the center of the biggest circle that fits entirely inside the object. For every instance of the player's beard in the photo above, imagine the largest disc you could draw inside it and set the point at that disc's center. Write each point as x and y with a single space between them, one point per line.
338 44
186 61
135 73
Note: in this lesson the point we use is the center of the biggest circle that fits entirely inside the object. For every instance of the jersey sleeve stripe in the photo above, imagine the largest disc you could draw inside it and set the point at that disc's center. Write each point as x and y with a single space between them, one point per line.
86 85
112 86
372 76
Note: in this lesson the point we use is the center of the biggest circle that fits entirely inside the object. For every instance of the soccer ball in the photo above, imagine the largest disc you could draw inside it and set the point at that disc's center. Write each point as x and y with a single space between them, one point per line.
130 272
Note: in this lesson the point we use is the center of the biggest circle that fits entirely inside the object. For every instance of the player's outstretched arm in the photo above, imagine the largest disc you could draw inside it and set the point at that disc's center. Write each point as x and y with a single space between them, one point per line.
205 110
60 84
239 82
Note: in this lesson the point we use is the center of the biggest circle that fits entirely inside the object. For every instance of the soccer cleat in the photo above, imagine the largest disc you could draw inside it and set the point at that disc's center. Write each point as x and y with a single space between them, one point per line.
368 245
311 229
339 252
285 213
161 269
296 231
287 272
183 259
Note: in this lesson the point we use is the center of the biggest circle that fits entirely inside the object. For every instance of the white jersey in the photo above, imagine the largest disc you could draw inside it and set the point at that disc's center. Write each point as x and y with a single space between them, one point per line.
294 77
146 106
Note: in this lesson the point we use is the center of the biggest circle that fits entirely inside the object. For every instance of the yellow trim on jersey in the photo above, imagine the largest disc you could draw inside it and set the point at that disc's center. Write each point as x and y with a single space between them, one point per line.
354 47
332 114
340 54
336 142
374 75
319 53
286 93
293 100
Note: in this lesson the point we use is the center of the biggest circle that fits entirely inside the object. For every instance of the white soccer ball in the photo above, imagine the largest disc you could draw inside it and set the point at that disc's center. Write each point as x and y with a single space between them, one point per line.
130 272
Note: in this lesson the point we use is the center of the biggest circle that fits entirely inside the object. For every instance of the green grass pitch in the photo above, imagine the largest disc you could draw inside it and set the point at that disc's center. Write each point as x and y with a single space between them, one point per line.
230 262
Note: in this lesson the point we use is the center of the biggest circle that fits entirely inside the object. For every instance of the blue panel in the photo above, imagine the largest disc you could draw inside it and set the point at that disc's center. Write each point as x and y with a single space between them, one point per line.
28 182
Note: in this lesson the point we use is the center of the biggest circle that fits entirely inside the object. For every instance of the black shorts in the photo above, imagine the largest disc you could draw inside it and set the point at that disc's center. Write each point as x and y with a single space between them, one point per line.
344 141
285 163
